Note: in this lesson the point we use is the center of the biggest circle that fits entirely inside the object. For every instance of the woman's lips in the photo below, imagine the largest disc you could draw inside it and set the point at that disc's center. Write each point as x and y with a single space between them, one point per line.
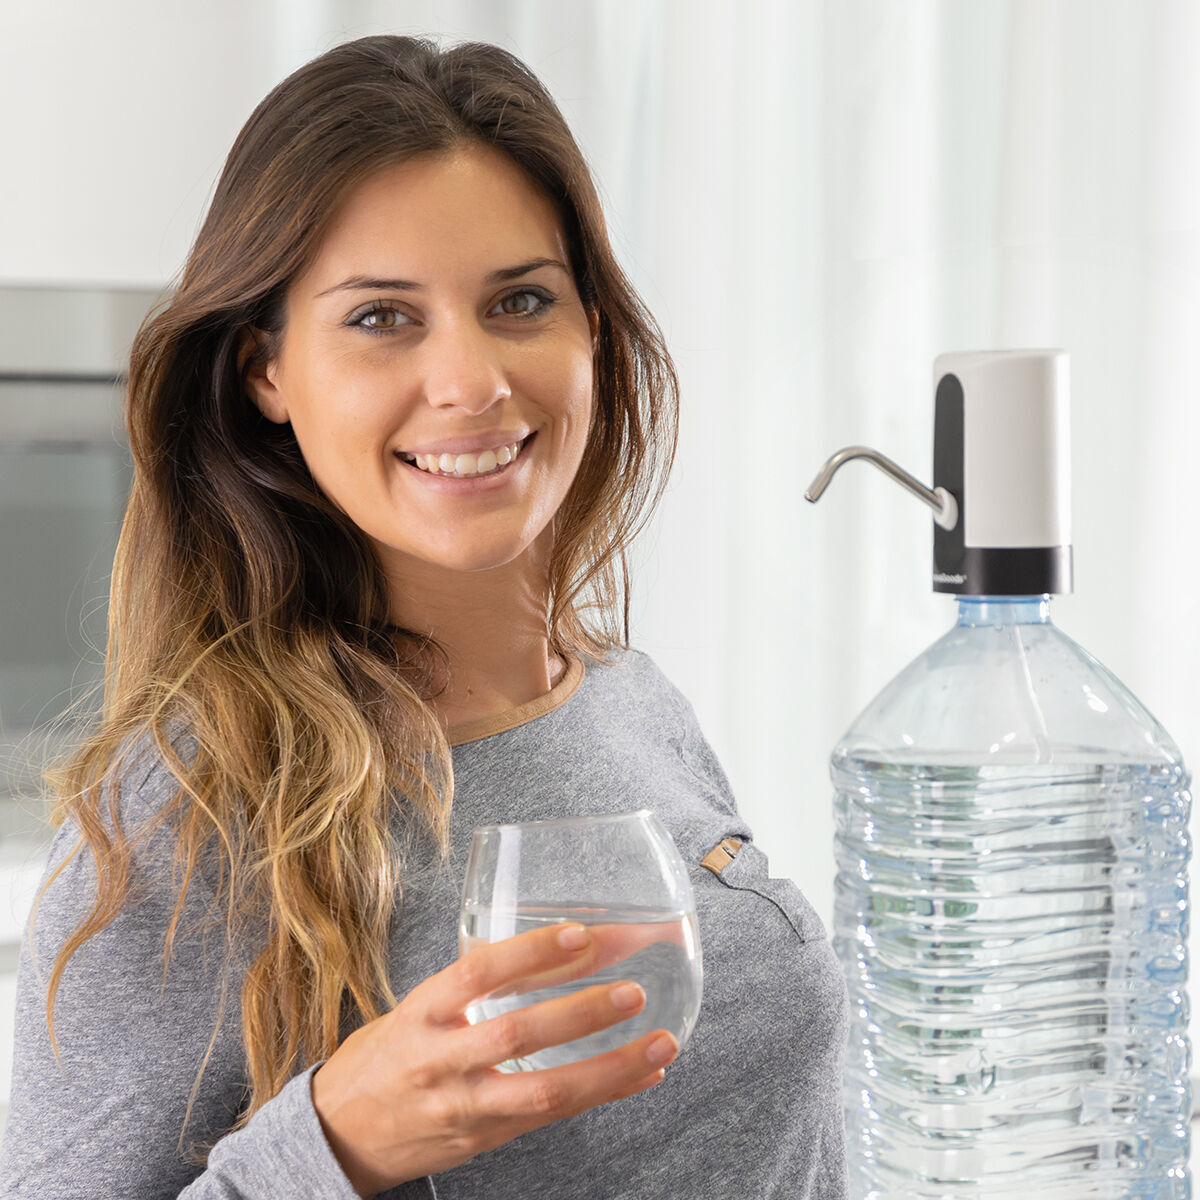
468 484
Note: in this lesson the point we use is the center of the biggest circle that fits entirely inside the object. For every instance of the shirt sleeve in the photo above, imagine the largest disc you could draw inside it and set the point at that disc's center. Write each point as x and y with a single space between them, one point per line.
109 1119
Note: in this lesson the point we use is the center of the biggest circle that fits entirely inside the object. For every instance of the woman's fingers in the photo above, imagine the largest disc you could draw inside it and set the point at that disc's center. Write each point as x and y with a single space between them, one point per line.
608 945
641 1085
525 1030
531 1099
611 944
416 1091
491 966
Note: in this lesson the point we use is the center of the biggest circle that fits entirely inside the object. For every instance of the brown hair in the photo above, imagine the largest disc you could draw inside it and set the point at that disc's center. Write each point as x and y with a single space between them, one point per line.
250 615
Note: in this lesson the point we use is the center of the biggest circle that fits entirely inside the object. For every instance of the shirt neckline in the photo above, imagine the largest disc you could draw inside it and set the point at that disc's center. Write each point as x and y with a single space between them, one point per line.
556 697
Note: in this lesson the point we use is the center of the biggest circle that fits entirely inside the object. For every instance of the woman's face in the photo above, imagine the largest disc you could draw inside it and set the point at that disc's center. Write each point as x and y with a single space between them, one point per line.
439 321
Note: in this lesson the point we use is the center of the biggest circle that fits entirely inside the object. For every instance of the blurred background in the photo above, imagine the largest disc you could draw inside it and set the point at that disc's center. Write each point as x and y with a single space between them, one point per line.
814 198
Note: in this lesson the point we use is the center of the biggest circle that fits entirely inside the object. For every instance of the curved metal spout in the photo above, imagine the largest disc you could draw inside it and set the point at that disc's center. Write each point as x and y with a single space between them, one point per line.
945 507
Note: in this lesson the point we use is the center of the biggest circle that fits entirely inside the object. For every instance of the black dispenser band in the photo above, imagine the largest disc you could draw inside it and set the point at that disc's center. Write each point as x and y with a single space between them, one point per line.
1006 571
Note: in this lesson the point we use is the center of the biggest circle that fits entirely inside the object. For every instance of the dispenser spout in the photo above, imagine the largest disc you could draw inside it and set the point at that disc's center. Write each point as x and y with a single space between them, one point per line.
945 507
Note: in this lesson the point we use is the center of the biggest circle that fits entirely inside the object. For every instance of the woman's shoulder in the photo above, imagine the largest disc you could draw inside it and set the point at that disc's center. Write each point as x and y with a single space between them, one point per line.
629 687
144 773
638 673
127 806
128 798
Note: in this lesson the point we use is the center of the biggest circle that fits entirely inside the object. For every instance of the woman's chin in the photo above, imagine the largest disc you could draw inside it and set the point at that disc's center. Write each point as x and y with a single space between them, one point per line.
465 557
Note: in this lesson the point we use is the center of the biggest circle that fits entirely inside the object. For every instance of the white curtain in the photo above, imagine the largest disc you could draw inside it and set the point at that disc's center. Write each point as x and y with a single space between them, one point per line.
816 197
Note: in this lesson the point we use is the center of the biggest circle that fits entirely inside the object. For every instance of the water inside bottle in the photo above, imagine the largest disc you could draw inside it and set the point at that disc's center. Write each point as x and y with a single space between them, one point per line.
657 948
1014 939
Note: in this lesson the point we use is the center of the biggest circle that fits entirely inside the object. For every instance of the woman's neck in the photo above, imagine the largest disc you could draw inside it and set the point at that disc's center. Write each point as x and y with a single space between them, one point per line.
493 626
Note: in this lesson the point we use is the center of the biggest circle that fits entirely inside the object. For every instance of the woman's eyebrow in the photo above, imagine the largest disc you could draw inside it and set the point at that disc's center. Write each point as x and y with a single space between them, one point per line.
369 283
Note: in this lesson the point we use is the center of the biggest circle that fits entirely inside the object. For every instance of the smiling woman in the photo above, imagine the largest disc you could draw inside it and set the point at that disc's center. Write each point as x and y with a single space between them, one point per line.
392 436
472 340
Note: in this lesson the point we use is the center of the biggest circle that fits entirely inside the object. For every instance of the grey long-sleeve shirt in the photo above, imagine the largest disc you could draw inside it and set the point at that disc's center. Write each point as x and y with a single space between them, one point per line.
751 1108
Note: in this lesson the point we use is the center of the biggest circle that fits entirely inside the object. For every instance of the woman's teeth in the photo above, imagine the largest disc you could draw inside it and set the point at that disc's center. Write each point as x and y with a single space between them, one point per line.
464 465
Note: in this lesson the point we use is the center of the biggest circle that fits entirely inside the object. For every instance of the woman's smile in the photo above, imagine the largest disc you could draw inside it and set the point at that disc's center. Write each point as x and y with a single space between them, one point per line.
436 363
470 474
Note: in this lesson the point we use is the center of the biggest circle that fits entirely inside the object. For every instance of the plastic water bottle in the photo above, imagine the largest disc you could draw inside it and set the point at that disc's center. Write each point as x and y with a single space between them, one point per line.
1011 911
1012 849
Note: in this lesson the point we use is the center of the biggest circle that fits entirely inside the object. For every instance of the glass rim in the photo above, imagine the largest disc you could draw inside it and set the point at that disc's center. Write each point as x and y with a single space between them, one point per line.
583 819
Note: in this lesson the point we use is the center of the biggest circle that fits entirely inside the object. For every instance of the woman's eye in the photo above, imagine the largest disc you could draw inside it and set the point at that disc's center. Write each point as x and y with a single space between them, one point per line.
380 319
525 303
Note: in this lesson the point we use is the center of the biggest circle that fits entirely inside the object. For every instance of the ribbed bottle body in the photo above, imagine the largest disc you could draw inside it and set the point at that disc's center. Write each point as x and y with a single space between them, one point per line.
1013 923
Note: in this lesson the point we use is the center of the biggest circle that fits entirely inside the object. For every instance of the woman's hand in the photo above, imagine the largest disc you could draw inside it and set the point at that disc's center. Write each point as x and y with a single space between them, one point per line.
417 1091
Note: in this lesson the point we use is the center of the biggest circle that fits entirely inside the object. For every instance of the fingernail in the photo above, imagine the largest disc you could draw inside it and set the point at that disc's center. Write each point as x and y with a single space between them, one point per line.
662 1050
573 937
628 995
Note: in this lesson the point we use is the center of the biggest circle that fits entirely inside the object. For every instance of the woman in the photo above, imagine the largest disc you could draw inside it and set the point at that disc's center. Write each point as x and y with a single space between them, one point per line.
392 435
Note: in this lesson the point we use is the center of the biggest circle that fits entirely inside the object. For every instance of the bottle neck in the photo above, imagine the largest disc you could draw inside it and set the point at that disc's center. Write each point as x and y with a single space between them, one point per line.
1004 610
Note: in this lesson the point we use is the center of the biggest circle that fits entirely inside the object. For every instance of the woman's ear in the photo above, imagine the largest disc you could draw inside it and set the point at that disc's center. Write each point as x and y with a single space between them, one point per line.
256 373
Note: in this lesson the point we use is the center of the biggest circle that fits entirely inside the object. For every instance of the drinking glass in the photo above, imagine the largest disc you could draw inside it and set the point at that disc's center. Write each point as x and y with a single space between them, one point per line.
617 873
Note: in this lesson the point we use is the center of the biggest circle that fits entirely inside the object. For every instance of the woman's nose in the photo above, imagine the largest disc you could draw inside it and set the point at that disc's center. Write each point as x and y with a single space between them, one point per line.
462 369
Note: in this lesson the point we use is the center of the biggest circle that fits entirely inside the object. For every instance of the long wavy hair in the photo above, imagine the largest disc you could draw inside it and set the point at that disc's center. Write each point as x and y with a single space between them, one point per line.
249 642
